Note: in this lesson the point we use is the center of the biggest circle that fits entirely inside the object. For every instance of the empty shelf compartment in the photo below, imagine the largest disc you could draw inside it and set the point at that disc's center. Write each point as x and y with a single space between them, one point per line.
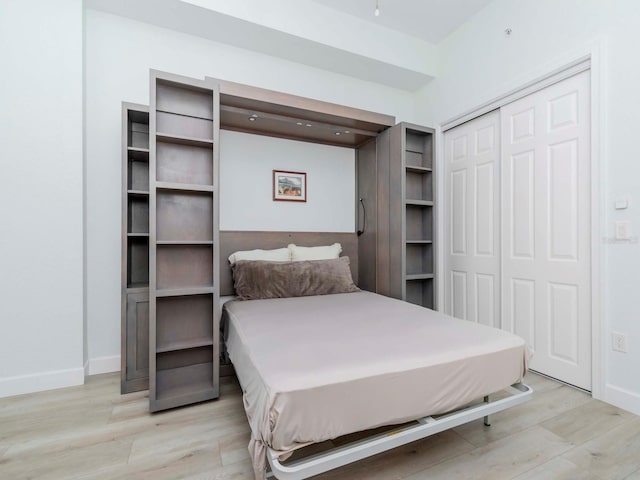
419 149
138 214
177 125
419 222
184 164
184 100
138 174
184 373
137 262
420 292
184 322
182 215
419 186
138 130
419 258
179 266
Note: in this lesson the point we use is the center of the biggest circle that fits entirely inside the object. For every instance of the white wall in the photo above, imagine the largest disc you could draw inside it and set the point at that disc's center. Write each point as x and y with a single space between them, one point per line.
246 165
480 62
41 314
119 53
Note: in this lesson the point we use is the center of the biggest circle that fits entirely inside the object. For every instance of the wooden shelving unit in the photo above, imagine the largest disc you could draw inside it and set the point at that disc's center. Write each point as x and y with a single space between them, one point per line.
417 155
184 248
170 240
396 181
135 248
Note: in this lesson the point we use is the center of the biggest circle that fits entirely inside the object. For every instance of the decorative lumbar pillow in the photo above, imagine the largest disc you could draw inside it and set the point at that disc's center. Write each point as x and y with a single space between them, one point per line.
276 255
315 253
256 279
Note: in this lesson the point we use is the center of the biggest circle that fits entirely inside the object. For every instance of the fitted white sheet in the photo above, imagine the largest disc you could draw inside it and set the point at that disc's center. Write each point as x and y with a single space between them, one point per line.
316 368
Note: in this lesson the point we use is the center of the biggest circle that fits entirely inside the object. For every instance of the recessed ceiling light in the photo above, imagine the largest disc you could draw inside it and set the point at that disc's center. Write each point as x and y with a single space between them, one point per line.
337 133
309 125
299 123
347 131
252 119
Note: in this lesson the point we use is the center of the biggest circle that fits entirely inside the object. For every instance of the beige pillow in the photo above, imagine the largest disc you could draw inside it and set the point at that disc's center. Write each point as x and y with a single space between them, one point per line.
256 280
276 255
314 253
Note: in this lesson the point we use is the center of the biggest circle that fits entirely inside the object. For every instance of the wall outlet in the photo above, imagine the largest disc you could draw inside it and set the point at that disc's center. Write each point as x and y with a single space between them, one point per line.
623 230
619 342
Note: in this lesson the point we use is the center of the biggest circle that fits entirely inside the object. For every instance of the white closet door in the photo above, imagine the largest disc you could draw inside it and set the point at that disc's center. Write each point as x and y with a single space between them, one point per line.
546 198
472 154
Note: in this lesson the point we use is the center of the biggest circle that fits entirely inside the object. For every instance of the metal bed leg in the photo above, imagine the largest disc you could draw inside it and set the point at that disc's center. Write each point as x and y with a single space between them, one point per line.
487 418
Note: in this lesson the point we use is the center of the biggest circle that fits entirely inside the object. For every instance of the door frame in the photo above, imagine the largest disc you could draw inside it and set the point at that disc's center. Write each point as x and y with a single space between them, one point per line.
591 57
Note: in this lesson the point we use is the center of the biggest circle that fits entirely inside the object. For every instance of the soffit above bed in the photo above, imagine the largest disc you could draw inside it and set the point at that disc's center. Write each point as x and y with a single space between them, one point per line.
299 31
259 111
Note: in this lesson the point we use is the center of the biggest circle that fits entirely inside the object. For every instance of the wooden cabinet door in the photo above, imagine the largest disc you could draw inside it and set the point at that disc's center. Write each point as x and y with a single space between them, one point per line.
136 376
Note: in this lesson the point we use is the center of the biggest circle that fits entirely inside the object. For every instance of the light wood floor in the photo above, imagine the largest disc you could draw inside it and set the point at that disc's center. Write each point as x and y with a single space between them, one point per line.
93 432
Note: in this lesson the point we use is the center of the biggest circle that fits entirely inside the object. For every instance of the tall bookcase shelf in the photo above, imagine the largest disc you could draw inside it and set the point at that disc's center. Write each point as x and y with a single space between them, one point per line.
184 249
417 155
135 248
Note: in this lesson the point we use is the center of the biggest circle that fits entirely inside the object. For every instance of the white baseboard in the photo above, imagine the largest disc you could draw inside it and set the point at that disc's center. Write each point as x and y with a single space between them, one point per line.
99 365
38 382
622 398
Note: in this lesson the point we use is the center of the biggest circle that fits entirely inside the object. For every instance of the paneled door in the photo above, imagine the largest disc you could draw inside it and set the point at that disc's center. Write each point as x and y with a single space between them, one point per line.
472 228
546 205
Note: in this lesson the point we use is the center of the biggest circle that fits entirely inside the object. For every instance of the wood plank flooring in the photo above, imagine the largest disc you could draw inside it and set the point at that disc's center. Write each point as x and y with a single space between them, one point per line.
93 432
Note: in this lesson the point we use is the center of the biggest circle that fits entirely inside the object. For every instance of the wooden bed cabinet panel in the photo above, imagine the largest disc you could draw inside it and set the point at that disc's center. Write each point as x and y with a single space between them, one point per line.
367 219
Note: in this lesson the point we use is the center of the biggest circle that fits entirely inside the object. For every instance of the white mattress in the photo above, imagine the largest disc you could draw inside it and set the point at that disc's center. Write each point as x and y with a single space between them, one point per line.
316 368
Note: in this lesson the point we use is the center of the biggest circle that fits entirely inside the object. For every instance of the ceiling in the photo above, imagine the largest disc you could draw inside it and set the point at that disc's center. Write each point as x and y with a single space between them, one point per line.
430 20
397 48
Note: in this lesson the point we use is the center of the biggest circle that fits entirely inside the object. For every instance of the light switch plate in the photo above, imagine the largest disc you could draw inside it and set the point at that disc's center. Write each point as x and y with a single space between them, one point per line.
621 204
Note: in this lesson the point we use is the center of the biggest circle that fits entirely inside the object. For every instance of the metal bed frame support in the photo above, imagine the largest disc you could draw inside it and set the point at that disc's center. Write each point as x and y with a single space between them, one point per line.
487 418
352 452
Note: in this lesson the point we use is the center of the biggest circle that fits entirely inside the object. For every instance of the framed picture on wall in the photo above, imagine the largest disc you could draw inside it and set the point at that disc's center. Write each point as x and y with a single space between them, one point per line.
289 186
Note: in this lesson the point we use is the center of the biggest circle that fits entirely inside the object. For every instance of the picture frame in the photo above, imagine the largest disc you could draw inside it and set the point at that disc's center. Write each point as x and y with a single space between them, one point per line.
289 186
